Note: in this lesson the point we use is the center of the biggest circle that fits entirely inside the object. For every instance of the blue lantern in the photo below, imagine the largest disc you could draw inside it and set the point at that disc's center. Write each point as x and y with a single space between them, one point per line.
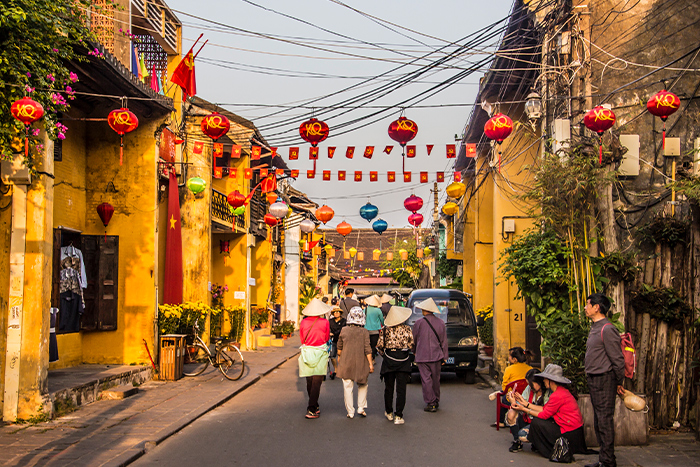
379 226
369 211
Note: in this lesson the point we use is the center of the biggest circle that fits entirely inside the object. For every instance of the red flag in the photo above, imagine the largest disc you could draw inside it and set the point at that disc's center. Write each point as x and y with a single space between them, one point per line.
388 149
470 149
248 174
310 174
373 176
451 151
218 149
331 152
255 152
349 152
341 175
391 176
441 177
293 154
358 176
407 177
410 151
218 154
429 147
458 176
236 151
263 173
369 150
273 152
198 147
279 172
232 172
218 172
172 284
313 153
424 177
183 76
326 175
294 173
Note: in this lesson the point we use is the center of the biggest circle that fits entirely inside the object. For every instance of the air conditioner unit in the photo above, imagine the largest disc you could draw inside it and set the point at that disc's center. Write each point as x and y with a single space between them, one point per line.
561 134
630 160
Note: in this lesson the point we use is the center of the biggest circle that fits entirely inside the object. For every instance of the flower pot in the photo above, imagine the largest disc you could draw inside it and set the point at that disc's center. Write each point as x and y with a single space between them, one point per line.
488 350
285 336
277 334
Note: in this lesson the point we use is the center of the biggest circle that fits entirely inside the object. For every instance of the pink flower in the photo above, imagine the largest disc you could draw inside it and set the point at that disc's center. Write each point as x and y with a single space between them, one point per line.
29 89
35 132
55 50
73 77
39 147
61 136
29 75
50 77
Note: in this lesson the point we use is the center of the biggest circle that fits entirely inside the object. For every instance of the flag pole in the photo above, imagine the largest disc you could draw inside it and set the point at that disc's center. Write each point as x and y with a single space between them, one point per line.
195 42
200 49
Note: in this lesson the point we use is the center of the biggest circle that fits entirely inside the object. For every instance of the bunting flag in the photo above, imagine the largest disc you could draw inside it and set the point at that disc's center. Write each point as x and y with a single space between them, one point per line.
154 79
458 176
424 177
313 153
293 154
331 152
373 176
429 147
218 150
410 151
172 283
407 177
248 174
310 174
263 173
295 173
326 175
273 152
135 61
349 152
388 149
143 71
470 149
218 154
232 172
255 152
236 151
451 151
369 150
441 177
358 176
391 177
198 147
184 76
341 175
279 172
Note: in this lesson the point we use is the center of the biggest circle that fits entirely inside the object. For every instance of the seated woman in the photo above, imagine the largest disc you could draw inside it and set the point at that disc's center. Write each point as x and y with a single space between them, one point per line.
534 395
518 368
558 417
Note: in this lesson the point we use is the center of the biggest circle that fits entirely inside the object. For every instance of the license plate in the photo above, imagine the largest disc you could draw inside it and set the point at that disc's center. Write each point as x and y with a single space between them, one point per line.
450 361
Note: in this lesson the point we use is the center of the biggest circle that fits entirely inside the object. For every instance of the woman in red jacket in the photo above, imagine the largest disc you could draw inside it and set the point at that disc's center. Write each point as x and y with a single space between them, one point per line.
558 417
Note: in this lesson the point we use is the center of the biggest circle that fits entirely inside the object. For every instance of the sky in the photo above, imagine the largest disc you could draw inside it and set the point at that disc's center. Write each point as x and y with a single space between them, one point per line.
267 53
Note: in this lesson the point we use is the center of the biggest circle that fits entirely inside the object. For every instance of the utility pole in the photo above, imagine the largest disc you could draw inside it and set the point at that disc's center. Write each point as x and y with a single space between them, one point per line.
436 234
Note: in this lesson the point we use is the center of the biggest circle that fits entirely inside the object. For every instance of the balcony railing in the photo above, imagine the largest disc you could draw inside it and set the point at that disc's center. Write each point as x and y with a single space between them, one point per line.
158 20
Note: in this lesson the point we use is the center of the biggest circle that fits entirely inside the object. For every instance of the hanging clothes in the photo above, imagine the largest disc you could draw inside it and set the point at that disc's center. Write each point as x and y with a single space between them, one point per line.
71 251
72 303
53 343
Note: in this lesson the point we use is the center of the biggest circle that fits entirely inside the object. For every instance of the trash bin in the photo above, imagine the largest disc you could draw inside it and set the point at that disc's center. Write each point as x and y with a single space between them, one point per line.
172 356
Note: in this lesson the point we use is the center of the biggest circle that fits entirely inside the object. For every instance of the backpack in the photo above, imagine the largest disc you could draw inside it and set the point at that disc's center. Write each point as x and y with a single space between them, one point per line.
628 351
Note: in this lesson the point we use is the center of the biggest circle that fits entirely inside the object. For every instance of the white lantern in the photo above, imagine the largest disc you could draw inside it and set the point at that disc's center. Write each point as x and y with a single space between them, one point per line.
307 225
278 209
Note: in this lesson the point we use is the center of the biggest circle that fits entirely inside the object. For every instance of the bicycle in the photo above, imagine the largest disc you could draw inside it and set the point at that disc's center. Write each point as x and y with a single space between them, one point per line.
228 359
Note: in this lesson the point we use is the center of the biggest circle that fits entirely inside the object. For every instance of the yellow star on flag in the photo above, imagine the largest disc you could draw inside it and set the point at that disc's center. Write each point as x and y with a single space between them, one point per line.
173 222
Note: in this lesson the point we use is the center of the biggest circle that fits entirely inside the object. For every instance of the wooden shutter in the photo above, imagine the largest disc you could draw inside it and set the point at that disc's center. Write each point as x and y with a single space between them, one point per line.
56 270
108 285
91 257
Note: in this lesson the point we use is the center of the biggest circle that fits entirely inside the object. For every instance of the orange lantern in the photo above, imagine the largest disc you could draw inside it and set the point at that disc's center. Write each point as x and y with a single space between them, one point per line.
317 250
360 256
324 213
122 121
404 254
271 197
419 253
389 256
215 125
344 228
346 254
376 254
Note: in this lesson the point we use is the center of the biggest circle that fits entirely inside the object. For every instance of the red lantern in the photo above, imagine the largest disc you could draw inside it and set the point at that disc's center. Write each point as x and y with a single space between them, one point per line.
105 211
271 197
599 119
663 104
324 213
269 184
26 111
415 219
313 131
270 220
344 228
236 199
413 203
215 125
122 121
403 130
498 128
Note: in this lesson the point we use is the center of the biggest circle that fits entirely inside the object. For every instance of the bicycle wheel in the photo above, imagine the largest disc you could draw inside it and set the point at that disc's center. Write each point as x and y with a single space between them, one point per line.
230 361
196 360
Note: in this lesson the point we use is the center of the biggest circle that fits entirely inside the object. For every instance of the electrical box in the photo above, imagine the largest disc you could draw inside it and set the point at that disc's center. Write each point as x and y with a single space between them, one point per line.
673 147
630 161
561 134
564 43
15 172
508 226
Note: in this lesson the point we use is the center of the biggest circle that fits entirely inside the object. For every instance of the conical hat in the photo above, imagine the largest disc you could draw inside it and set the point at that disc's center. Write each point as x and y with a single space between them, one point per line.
397 315
429 305
373 301
386 298
316 308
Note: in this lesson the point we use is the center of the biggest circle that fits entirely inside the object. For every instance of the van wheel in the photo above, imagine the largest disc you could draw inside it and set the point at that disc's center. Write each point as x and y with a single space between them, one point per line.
469 377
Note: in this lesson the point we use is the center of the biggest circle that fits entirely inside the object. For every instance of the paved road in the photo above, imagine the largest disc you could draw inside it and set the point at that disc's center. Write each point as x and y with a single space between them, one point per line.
265 426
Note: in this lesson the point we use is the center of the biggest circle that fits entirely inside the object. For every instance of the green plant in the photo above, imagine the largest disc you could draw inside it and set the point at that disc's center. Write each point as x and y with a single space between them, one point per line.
288 327
486 331
407 272
447 268
690 187
307 291
236 316
663 303
259 316
617 266
665 230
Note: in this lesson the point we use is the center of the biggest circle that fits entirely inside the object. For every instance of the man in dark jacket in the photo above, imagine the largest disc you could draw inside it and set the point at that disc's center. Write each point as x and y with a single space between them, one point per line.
605 371
348 302
430 340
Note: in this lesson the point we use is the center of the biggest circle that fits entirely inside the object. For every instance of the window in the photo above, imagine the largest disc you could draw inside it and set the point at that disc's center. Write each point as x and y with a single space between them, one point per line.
58 150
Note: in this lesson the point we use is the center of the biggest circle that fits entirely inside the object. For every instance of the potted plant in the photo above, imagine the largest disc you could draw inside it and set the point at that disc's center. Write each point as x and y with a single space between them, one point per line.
287 328
486 331
236 317
278 330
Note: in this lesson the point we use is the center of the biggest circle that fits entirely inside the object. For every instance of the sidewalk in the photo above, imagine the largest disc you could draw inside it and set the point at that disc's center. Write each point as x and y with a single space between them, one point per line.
116 432
665 449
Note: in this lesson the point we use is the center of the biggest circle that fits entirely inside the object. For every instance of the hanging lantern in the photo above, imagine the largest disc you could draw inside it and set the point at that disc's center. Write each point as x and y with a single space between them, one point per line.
456 190
403 254
269 184
415 219
239 211
313 131
324 213
26 111
369 211
122 121
599 119
403 130
270 220
317 250
105 211
663 104
330 251
379 226
389 256
271 197
498 128
279 209
236 199
346 254
413 203
308 226
215 125
376 254
419 253
450 209
360 256
427 251
352 251
344 228
196 185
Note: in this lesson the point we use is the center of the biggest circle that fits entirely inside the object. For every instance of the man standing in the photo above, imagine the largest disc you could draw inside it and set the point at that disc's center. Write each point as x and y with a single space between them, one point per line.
605 371
430 340
348 302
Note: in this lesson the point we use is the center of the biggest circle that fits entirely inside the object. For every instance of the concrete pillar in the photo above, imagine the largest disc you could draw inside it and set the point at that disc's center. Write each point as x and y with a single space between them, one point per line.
291 275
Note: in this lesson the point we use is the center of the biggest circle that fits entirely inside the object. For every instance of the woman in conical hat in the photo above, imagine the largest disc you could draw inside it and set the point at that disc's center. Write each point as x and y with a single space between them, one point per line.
314 331
395 343
374 321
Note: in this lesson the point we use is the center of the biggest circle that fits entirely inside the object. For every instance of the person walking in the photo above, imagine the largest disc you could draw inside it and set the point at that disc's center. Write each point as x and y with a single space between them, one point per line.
386 304
430 341
374 322
336 324
355 361
348 302
605 371
314 332
394 344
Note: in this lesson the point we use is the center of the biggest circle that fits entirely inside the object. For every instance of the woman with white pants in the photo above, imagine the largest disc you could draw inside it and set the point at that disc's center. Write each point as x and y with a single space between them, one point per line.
355 361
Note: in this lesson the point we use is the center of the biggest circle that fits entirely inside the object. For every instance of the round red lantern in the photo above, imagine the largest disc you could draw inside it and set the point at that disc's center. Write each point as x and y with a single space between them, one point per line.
663 104
236 199
215 125
344 228
403 130
270 220
313 131
324 213
599 119
415 219
26 111
105 211
122 121
498 128
413 203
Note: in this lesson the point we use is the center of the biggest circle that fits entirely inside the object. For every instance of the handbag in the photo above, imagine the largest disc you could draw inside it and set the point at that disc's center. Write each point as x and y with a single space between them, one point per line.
561 452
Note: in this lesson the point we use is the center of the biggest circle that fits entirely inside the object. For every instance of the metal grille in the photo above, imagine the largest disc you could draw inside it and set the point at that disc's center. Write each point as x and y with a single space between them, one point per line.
220 210
102 23
153 54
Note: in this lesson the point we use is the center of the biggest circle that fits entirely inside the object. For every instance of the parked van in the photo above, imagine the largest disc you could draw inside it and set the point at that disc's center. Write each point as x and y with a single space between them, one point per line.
462 338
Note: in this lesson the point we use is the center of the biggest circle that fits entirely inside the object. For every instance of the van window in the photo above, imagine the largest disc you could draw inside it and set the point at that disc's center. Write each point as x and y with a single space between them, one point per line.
454 311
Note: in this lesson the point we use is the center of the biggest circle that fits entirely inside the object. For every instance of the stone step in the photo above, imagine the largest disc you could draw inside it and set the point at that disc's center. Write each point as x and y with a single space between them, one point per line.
119 392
